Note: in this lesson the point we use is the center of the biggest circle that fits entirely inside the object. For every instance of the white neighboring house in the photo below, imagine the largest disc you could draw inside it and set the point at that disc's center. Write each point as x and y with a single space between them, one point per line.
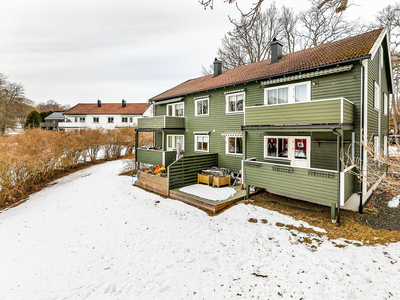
106 116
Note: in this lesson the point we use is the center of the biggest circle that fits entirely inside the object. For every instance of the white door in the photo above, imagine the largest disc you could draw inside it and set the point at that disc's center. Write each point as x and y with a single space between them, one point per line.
301 151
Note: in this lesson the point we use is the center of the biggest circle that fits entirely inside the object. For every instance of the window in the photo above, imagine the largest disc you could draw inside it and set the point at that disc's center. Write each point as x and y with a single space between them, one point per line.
295 149
76 119
176 109
377 147
292 93
124 120
95 119
130 120
377 95
82 120
110 119
201 107
381 57
172 142
201 143
234 103
234 145
277 147
385 104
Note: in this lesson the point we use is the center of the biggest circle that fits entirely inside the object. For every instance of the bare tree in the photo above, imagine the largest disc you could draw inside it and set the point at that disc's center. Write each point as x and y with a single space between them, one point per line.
14 106
390 17
324 25
50 105
288 21
249 41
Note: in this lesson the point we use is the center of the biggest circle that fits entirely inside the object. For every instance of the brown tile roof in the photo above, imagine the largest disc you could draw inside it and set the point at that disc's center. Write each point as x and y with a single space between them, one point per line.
346 49
108 109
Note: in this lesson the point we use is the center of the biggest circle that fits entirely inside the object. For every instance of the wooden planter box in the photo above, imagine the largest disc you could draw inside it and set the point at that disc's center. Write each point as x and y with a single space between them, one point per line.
153 183
223 180
204 178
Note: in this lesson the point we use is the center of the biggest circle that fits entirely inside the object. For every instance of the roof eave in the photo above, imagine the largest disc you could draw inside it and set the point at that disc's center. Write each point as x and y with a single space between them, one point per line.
264 78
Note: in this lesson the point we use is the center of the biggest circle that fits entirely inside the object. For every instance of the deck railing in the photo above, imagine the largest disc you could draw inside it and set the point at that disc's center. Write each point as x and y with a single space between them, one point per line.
161 122
155 157
298 182
184 171
328 111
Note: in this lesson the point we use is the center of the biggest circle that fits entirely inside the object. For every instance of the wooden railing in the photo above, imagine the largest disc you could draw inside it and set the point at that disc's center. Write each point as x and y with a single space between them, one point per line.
184 171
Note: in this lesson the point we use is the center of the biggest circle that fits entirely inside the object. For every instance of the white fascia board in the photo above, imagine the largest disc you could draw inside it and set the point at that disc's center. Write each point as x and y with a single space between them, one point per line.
378 42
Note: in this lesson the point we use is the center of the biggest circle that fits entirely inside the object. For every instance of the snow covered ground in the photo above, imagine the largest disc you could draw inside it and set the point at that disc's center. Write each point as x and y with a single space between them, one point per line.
92 235
208 192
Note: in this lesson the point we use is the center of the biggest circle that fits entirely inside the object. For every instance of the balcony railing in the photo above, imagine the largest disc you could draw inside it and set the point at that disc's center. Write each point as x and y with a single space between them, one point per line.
155 157
66 125
329 111
298 182
161 122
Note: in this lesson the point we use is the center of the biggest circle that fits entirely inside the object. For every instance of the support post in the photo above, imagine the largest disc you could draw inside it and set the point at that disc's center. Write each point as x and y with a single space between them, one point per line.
247 192
333 212
136 146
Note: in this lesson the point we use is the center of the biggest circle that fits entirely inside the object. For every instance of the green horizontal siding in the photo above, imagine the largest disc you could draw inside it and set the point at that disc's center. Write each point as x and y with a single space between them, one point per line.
151 157
298 184
170 157
161 122
348 112
174 122
348 185
313 112
153 122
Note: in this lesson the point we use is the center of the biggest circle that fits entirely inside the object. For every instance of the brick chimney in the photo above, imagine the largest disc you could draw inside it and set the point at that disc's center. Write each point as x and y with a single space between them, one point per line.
217 67
276 50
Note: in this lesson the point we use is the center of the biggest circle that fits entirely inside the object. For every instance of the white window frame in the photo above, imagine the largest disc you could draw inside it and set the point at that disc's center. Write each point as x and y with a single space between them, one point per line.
380 56
195 143
377 148
208 107
291 153
377 96
98 120
126 119
174 138
227 145
76 119
108 120
291 92
227 96
385 104
82 119
130 120
173 109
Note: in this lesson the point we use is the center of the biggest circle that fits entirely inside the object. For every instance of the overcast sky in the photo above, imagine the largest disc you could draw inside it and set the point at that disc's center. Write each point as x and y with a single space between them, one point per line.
78 51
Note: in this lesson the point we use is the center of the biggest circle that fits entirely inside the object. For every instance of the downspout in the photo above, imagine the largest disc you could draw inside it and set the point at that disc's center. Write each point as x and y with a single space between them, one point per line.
339 167
360 207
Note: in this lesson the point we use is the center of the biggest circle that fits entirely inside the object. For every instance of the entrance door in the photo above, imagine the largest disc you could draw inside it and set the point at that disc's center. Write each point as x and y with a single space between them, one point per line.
301 151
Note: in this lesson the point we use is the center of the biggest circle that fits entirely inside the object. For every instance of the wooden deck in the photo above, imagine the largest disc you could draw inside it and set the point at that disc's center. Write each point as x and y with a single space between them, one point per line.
209 206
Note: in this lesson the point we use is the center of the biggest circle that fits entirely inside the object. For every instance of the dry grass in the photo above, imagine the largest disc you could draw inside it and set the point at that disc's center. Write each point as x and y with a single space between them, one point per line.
36 156
316 215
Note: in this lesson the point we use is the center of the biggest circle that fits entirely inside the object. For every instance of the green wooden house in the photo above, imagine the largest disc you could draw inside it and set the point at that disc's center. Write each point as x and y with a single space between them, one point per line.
285 121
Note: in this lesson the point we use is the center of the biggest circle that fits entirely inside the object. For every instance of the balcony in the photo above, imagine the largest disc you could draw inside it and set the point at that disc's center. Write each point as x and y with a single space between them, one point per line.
318 112
155 157
161 122
71 125
299 182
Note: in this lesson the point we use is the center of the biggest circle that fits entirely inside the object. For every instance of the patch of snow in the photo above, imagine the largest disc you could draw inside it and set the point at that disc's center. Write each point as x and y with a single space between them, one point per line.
208 192
95 236
394 150
394 202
